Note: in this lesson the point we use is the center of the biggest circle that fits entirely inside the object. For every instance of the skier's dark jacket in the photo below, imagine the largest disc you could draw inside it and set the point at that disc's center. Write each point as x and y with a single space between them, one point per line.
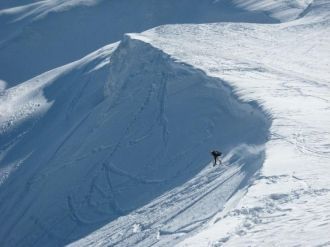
216 153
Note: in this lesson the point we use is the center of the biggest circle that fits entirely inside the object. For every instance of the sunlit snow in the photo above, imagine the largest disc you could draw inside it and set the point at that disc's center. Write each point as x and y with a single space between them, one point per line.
109 110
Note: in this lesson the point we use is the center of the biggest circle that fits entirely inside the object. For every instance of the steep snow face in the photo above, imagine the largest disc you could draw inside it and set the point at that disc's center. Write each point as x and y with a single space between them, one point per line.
22 106
43 113
40 36
102 148
82 148
284 67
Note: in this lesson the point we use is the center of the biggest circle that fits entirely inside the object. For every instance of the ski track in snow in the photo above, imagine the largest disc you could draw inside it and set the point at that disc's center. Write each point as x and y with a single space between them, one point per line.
296 191
175 213
111 150
277 204
146 100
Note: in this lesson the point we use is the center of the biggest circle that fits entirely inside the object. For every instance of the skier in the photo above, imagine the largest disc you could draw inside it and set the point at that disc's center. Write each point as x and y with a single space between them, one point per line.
216 154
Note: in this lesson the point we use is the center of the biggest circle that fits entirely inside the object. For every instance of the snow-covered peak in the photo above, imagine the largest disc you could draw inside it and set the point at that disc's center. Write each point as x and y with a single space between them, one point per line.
47 34
113 149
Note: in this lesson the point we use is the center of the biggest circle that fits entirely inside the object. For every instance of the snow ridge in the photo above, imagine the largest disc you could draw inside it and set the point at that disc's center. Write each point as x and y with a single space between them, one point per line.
149 127
181 211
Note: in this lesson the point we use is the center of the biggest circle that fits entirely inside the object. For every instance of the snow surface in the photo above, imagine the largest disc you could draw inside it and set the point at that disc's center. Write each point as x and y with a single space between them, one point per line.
42 35
113 149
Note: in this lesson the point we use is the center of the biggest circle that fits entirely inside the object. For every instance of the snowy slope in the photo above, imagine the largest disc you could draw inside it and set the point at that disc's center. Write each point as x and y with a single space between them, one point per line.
113 149
107 151
285 68
40 36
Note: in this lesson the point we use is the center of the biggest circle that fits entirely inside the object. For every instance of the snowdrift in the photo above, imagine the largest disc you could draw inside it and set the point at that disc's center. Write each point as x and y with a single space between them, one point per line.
95 145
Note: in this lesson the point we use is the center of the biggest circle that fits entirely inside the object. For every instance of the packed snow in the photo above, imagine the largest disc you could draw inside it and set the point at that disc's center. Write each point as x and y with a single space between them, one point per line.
113 149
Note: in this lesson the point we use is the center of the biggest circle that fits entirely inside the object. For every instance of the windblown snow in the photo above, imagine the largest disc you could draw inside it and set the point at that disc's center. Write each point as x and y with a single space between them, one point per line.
112 148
